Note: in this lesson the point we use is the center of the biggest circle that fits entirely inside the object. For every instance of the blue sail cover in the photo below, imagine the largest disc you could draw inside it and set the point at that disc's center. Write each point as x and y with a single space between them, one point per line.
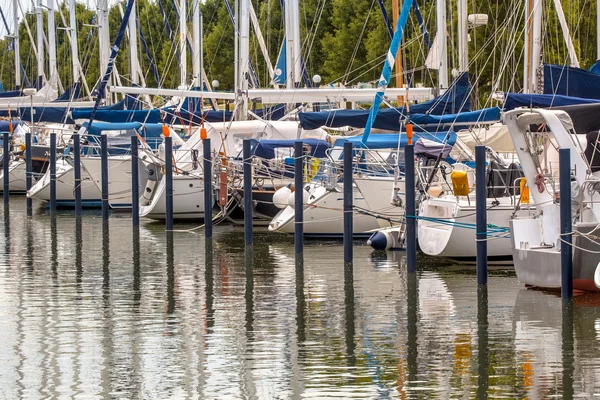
72 93
453 101
390 140
571 81
595 68
389 118
266 148
514 100
280 72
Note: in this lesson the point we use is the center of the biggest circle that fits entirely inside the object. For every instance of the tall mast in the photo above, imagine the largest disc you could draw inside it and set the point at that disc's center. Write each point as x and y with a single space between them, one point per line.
103 36
442 48
133 47
244 54
74 48
16 45
292 36
197 22
463 36
40 43
182 42
536 48
53 72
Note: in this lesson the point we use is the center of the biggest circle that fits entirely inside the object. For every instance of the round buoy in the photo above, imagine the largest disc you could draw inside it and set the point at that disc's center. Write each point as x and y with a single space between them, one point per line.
597 276
380 241
292 198
280 197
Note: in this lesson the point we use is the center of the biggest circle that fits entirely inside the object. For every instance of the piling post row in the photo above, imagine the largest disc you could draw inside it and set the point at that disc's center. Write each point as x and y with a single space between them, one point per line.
208 199
77 172
299 196
348 202
566 223
481 217
52 173
5 159
247 192
28 172
169 181
410 187
135 185
104 169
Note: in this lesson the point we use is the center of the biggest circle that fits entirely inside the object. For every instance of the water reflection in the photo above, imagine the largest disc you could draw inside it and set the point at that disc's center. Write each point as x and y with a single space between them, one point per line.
482 342
153 316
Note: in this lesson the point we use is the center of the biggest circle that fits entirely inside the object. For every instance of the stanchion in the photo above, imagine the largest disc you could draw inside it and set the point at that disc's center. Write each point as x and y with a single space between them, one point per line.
28 172
104 169
566 224
135 184
52 173
299 196
77 172
481 217
5 160
348 202
247 192
410 187
169 181
208 198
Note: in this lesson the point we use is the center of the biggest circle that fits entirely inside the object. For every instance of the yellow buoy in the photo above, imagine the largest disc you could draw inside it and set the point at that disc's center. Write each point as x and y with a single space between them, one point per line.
460 183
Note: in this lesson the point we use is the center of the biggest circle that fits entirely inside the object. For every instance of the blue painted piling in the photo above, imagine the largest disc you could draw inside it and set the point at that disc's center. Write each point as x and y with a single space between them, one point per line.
411 228
104 170
5 160
247 192
299 197
348 202
77 172
135 184
566 223
52 173
28 172
169 182
481 216
208 198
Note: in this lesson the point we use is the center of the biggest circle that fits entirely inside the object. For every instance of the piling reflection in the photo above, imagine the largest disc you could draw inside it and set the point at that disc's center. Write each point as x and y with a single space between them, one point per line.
54 248
412 317
300 300
483 361
79 255
137 292
170 274
105 263
349 313
29 261
209 282
249 290
568 356
7 230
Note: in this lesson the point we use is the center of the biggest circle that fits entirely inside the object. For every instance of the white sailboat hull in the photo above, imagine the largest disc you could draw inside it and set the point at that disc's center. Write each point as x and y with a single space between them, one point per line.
188 199
17 176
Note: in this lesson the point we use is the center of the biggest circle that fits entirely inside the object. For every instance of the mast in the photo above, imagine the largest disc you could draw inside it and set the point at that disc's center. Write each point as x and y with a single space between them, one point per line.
566 34
182 42
292 35
244 59
399 75
463 36
53 72
442 49
40 43
16 45
103 35
197 22
536 47
133 48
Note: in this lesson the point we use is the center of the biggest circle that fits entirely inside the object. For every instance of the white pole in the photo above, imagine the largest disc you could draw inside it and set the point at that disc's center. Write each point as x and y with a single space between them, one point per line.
73 31
236 52
297 43
536 50
527 46
566 34
133 47
463 36
442 49
289 51
196 45
102 35
53 72
182 42
244 54
16 45
40 42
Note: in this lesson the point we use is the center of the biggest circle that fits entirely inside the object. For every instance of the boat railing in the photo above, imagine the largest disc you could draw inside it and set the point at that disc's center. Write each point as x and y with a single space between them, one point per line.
588 189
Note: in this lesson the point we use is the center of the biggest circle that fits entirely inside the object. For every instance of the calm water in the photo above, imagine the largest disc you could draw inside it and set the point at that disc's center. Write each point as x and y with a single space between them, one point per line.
87 315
